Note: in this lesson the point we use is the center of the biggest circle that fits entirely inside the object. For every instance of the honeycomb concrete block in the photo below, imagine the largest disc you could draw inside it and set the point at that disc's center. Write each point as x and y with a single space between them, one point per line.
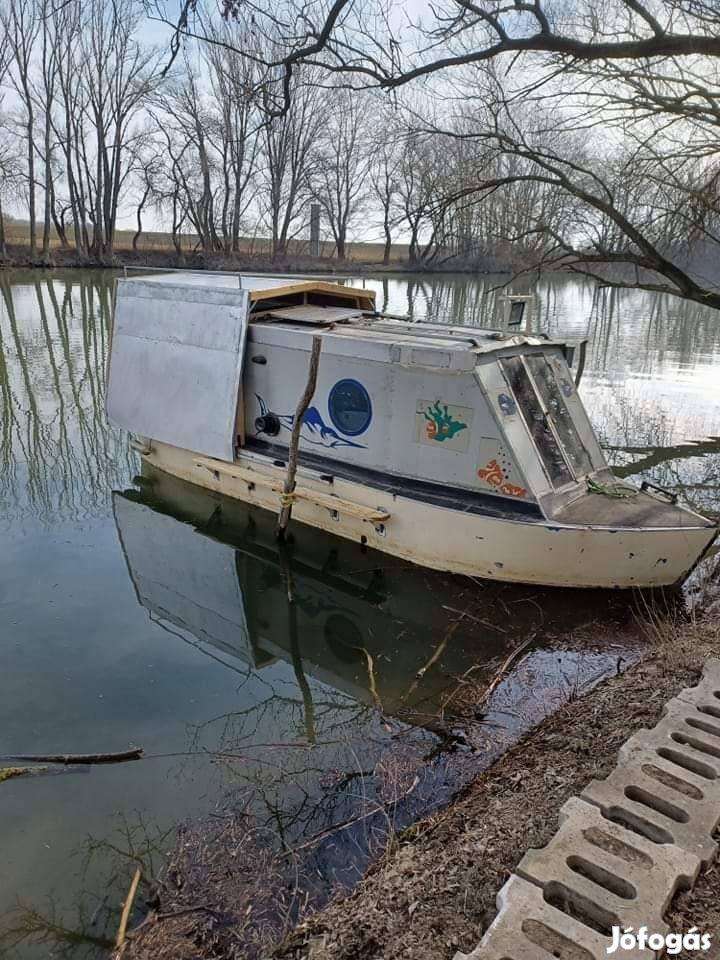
608 873
667 780
624 847
708 688
529 928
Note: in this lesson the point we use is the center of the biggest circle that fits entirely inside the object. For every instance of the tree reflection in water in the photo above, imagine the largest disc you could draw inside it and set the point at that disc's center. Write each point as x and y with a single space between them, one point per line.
59 458
45 930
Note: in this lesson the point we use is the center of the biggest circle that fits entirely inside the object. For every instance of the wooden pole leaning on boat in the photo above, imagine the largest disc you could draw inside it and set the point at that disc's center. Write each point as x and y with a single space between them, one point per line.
286 499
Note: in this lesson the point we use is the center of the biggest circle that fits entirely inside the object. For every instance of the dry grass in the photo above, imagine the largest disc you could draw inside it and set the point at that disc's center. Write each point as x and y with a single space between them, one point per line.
436 892
159 242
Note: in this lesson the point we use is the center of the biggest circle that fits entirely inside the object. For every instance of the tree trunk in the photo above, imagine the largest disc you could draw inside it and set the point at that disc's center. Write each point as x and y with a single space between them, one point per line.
48 191
388 238
31 185
58 221
138 232
3 249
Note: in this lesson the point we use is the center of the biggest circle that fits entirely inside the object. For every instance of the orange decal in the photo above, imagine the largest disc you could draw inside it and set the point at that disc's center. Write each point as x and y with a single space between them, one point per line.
431 430
512 491
492 473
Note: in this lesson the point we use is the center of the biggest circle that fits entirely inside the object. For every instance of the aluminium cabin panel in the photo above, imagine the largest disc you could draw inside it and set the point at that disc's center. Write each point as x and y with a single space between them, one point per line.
408 421
176 364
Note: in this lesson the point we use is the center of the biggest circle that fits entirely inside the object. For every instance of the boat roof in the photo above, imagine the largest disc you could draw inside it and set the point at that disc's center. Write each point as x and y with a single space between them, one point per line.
285 308
378 338
260 287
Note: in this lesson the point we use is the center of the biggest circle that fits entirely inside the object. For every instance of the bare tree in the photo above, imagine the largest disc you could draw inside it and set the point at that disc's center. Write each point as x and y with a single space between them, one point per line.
384 175
287 164
119 76
341 162
148 165
658 60
45 98
21 24
192 121
234 80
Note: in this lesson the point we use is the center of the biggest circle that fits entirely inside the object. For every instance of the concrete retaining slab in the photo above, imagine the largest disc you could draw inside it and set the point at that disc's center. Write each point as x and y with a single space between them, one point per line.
667 780
528 928
606 874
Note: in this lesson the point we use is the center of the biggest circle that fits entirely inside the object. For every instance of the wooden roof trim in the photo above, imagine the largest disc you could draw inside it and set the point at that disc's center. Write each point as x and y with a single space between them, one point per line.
315 286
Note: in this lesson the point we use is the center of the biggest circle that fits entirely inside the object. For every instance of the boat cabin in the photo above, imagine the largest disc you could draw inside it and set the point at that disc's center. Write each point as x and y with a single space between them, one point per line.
462 449
216 364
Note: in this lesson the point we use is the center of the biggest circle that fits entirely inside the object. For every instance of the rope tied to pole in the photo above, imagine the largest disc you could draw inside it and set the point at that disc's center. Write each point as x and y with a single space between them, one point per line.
286 499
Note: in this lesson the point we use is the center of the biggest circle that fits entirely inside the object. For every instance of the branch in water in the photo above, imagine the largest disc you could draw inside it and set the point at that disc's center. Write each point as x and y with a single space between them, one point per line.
134 753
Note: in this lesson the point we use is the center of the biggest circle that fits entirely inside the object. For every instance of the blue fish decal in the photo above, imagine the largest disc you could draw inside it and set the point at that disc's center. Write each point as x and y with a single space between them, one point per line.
314 429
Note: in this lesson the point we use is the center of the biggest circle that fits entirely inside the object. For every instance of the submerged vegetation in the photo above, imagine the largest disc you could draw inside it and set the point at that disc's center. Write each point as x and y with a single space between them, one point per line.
7 773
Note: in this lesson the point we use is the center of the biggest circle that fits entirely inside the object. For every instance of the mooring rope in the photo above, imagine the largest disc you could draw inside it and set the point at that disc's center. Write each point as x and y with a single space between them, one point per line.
617 490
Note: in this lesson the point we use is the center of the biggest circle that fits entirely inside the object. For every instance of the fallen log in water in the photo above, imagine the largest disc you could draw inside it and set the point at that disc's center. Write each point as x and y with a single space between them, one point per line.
134 753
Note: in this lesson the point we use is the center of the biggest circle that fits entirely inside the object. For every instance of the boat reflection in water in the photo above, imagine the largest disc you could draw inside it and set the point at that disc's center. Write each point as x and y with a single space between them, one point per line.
376 628
357 712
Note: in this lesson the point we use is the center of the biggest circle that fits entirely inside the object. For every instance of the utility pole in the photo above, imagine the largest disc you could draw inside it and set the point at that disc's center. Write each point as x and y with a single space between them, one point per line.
314 229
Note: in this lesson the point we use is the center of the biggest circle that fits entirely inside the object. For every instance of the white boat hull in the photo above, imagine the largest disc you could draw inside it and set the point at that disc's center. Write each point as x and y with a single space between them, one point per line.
515 550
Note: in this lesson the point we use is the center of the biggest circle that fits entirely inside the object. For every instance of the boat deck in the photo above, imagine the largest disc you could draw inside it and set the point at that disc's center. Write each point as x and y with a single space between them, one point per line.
361 327
643 510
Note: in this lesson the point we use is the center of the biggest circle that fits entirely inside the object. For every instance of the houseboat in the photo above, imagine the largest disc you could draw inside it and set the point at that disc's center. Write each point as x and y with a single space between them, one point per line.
454 447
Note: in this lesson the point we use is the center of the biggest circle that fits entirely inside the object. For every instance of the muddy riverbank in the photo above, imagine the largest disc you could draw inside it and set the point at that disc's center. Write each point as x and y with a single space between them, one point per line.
433 891
19 257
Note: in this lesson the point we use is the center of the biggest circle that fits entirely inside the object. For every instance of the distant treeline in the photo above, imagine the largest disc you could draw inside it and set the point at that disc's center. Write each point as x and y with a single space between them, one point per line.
96 130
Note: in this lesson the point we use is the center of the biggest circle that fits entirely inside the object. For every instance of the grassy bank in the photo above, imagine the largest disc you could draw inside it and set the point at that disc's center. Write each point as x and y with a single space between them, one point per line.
359 262
17 235
433 892
19 256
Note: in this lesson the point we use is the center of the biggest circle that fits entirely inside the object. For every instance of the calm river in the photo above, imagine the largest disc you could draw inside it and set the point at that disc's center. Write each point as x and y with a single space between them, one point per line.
145 612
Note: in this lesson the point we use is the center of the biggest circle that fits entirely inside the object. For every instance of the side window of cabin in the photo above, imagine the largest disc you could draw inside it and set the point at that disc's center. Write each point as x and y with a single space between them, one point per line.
554 402
536 421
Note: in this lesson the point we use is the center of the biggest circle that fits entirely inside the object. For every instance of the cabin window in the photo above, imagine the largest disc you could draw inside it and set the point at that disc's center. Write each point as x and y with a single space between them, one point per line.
554 402
517 310
349 407
537 421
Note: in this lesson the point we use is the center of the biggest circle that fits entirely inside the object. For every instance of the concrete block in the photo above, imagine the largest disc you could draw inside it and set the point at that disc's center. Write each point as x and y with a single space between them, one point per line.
667 781
529 928
624 847
708 687
608 873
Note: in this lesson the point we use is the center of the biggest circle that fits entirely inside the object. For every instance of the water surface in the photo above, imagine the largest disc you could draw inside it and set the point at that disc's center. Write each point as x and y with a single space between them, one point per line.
152 613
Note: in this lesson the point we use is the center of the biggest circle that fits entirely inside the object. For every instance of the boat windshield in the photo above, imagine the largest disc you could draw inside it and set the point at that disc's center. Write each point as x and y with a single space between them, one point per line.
548 418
